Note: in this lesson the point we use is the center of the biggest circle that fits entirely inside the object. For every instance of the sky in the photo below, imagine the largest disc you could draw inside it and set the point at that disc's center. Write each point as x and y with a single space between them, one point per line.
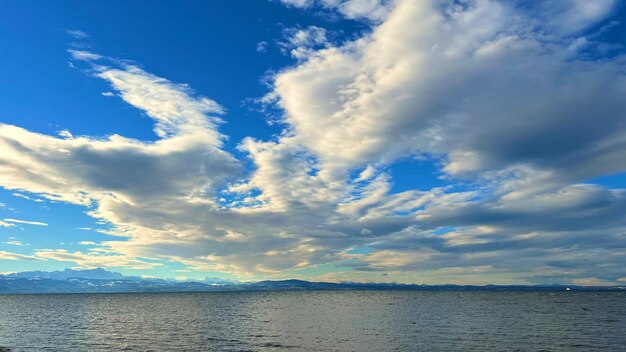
430 142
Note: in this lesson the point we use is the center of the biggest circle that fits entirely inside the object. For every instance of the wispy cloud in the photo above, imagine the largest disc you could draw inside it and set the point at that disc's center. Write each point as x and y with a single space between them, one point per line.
376 10
94 259
16 243
6 224
77 34
23 196
301 43
24 222
15 256
261 46
84 55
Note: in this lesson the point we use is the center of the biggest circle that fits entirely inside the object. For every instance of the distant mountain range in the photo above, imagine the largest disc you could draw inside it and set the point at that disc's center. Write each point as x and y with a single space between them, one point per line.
100 280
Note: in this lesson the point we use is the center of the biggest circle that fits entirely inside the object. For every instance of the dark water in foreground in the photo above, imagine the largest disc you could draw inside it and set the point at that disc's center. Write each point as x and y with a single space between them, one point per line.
316 321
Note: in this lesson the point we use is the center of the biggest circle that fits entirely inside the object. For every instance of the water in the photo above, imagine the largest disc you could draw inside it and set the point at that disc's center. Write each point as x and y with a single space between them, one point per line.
316 321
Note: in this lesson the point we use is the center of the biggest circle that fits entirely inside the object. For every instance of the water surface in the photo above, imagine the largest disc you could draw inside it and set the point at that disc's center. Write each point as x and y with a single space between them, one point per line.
316 321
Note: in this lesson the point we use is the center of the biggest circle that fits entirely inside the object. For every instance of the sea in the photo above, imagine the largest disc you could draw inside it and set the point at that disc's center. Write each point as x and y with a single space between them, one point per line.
316 321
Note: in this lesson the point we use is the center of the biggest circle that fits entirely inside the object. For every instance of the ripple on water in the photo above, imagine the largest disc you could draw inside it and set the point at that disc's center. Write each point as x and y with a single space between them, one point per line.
315 321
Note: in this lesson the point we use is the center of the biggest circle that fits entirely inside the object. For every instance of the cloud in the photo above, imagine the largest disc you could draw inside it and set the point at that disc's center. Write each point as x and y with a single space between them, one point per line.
16 243
443 90
15 256
24 222
83 55
298 3
375 10
65 134
170 105
6 224
94 259
572 16
512 115
77 34
261 46
437 82
23 196
301 43
309 37
184 166
185 162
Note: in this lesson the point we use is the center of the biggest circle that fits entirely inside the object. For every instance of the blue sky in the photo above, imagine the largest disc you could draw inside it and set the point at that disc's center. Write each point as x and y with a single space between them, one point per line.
439 141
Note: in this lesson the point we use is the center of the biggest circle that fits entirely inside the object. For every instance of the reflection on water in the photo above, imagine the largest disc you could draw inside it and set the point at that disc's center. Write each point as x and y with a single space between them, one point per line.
316 321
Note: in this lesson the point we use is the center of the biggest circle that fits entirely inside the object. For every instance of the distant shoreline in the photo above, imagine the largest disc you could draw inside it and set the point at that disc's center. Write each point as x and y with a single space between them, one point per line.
275 286
101 281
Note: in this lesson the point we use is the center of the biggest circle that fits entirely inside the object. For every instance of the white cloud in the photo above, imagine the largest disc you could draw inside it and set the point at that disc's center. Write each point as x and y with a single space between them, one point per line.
435 79
6 224
94 259
170 105
309 37
367 174
65 134
186 162
83 55
261 46
77 34
15 256
16 243
25 222
23 196
298 3
429 90
375 10
573 16
301 43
